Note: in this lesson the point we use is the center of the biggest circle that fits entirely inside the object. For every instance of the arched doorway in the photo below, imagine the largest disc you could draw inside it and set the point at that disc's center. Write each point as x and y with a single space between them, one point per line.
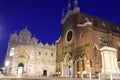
20 69
67 66
69 71
44 72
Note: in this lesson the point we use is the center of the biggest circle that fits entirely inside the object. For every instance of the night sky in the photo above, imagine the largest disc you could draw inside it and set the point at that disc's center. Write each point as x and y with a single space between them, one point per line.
43 17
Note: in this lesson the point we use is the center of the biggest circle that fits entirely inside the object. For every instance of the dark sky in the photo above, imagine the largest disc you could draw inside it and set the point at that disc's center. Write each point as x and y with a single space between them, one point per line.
43 17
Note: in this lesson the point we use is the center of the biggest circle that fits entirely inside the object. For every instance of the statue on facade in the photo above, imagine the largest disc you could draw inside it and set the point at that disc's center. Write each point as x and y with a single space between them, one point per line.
105 40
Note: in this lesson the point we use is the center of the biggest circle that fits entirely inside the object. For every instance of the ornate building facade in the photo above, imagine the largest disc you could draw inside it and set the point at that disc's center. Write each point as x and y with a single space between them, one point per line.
78 48
26 57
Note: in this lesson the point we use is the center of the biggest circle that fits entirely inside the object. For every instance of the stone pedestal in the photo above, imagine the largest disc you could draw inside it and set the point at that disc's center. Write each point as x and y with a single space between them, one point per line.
109 60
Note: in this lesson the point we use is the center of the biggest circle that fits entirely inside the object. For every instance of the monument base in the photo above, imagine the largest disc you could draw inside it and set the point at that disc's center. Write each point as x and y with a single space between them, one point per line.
110 75
110 68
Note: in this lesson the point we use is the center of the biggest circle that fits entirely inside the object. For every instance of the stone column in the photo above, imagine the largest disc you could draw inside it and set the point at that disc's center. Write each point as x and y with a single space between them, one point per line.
62 69
72 68
75 68
71 61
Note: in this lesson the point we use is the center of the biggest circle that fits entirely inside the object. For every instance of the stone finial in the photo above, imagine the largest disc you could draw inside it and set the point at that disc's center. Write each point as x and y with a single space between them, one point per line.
76 8
63 14
75 3
69 5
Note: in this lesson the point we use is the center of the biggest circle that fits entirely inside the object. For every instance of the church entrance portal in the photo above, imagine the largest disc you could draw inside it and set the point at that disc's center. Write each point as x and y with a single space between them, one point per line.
69 71
44 72
20 69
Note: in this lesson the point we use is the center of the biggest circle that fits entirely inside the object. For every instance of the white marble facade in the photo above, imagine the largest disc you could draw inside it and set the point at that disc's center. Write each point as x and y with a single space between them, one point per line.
27 57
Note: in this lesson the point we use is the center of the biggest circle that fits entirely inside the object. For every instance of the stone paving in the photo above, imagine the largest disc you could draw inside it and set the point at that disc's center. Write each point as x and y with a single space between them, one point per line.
45 78
2 77
41 78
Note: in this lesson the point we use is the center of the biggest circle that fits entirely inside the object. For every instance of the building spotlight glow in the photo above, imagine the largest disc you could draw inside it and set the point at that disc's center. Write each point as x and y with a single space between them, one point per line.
3 68
7 63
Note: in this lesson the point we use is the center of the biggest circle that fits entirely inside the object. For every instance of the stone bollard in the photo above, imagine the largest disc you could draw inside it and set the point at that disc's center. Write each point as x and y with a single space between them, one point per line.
99 76
111 77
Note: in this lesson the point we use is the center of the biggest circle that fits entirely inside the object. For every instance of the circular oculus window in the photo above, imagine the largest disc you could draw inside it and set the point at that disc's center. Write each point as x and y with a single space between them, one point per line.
69 36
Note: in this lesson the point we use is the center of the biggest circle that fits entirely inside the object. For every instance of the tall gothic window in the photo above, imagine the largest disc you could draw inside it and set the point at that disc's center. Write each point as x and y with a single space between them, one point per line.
96 54
12 51
95 51
39 54
51 55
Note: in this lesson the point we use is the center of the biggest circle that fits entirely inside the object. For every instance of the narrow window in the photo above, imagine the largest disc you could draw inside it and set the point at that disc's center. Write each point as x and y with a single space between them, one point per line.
12 51
96 55
39 53
52 55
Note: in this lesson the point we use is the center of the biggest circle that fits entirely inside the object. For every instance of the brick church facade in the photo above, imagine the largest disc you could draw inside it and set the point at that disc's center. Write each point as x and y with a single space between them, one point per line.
78 48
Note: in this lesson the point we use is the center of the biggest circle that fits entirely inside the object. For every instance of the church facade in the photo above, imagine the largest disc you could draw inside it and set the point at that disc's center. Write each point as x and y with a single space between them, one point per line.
82 37
77 51
26 57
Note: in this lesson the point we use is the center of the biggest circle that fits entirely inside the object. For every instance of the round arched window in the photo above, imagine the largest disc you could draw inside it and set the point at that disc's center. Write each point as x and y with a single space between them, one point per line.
69 36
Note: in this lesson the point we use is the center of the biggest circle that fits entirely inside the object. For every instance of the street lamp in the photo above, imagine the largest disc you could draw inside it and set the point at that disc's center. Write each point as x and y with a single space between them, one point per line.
2 68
